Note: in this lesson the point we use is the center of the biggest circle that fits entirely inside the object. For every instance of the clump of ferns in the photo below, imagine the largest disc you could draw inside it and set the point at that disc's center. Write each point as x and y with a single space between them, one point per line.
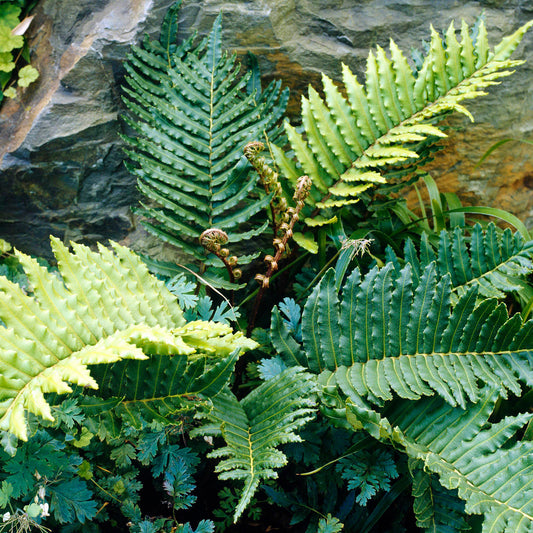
283 217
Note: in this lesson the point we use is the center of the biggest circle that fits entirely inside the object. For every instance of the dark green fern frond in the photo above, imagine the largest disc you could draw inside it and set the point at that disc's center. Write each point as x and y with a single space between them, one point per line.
392 334
254 427
191 117
357 133
148 63
485 462
496 263
161 388
437 509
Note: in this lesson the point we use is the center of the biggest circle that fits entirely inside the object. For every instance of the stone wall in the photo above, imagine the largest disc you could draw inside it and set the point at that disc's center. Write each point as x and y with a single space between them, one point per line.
61 168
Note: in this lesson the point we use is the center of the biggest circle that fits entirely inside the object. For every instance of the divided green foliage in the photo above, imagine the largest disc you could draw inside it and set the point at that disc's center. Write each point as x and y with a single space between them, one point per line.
105 307
392 338
357 134
14 52
485 462
254 427
192 116
496 263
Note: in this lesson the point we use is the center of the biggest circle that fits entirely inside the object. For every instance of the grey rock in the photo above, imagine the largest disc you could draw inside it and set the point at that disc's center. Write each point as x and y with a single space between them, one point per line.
61 156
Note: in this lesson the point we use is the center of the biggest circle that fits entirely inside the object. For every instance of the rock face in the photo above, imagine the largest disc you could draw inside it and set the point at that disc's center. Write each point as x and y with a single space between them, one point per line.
61 168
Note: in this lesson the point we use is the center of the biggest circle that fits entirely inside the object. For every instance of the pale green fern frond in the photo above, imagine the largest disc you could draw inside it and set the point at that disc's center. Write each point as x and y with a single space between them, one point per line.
254 427
4 247
392 334
496 263
356 134
192 116
105 307
485 462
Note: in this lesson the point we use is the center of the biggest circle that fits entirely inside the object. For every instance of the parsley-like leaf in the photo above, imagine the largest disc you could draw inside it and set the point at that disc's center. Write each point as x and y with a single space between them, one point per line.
71 501
205 526
368 472
5 494
148 445
172 459
329 525
41 454
68 413
123 455
293 315
270 368
184 290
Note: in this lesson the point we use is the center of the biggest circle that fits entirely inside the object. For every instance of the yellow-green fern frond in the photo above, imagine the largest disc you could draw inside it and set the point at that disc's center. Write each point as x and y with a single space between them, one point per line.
4 246
357 133
104 307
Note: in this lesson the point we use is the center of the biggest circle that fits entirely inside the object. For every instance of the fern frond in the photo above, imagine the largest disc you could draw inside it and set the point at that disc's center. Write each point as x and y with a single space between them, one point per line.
390 122
105 307
159 389
496 263
393 333
254 427
437 509
485 462
191 118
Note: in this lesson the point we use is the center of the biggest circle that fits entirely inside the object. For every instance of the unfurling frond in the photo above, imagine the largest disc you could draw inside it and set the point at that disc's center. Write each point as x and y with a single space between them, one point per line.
356 133
254 427
105 307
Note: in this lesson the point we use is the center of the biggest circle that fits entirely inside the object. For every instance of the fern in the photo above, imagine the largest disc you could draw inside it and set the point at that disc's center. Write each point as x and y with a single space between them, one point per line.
392 334
255 426
192 117
496 263
485 462
356 134
105 307
437 509
159 389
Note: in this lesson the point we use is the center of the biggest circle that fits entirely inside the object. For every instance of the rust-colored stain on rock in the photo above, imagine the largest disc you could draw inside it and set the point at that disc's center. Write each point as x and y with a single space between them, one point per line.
503 180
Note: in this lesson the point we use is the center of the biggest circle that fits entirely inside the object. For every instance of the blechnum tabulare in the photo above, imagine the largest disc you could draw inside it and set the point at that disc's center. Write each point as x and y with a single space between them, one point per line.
401 340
